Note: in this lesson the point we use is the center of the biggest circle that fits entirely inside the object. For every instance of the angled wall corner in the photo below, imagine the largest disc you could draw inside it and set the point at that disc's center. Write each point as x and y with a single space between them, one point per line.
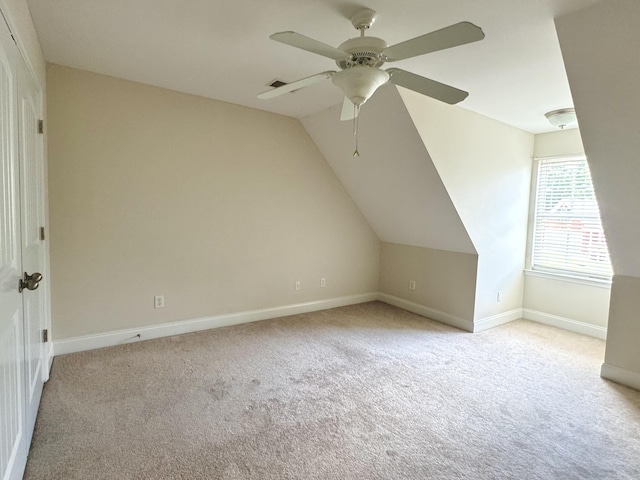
397 188
485 166
394 181
600 47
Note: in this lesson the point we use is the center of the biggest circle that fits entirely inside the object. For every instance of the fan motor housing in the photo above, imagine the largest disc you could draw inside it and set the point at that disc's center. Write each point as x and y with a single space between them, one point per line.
365 51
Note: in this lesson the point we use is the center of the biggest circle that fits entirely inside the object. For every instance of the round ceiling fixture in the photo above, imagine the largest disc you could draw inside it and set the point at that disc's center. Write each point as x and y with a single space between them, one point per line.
562 118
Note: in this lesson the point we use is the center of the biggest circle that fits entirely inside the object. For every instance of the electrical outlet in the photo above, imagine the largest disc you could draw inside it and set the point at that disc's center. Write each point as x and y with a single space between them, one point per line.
499 296
158 301
323 282
298 285
412 284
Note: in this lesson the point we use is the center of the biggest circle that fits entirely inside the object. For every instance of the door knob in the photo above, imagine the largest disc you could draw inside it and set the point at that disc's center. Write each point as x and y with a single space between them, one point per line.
30 282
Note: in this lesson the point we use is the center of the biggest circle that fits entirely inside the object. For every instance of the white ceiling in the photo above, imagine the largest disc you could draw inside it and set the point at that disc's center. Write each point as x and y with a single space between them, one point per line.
221 49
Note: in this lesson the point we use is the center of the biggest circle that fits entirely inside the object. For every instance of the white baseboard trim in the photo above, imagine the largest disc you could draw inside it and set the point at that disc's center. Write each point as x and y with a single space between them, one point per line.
427 312
565 323
130 335
621 376
497 320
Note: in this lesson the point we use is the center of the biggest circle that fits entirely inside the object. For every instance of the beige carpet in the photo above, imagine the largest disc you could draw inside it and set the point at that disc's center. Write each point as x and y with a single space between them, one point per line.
361 392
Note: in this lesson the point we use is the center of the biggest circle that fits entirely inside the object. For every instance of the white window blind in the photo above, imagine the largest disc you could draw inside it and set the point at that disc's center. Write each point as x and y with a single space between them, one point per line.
567 234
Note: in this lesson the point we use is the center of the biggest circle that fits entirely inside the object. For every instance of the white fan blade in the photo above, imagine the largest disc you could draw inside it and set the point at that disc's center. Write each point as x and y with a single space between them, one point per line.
349 112
309 44
298 84
426 86
451 36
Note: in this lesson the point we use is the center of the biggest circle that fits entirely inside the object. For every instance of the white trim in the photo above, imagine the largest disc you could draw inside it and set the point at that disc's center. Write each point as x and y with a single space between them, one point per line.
561 277
130 335
564 156
621 376
497 320
574 277
565 323
427 312
10 15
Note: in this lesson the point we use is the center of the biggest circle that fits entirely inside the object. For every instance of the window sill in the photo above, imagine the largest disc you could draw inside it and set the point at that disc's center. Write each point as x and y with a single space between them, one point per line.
592 282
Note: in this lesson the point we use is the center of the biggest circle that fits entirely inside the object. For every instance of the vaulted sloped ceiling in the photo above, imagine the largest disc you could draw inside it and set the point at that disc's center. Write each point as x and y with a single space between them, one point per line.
600 45
394 181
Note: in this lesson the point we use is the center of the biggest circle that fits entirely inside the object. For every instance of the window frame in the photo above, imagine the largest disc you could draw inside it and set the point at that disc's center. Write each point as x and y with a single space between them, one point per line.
561 274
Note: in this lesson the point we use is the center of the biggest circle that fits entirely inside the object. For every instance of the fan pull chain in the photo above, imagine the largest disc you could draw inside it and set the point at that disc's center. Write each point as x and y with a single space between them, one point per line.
356 111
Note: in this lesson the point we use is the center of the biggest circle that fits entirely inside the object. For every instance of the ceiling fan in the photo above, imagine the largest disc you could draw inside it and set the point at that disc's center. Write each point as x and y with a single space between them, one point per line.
360 60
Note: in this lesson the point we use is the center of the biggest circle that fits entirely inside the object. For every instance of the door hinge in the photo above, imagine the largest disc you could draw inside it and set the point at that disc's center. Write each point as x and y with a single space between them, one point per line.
45 335
42 236
40 126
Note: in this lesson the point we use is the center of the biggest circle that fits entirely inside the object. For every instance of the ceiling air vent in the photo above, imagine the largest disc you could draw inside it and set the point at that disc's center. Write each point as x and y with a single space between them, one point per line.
276 83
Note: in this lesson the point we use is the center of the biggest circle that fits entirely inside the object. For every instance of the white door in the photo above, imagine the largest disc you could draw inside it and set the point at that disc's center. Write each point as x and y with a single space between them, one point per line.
31 219
13 444
22 303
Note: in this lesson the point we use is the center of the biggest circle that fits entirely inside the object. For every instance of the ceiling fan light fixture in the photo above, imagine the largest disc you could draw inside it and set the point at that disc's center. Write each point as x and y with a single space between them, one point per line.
360 83
562 118
360 60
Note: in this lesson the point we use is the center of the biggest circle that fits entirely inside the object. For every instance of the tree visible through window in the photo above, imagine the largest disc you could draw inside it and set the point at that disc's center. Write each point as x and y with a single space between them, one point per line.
567 233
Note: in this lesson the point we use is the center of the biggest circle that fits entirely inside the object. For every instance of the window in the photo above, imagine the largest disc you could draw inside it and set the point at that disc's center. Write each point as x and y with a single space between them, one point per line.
567 231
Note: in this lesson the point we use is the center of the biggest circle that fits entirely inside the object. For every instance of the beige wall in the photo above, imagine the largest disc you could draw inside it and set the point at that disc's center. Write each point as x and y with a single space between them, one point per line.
218 207
624 318
557 144
485 166
445 281
568 299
